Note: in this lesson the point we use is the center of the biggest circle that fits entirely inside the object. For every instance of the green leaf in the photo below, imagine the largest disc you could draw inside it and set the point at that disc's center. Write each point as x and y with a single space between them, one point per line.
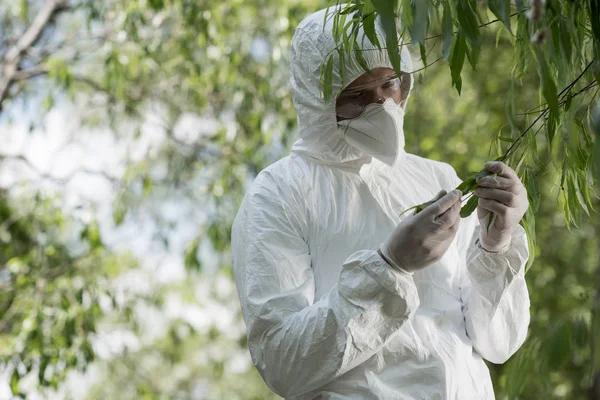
510 107
342 67
559 345
594 6
519 4
360 58
14 381
468 208
447 31
595 126
44 361
387 13
368 12
522 47
473 55
596 71
547 82
533 190
156 4
501 9
579 331
24 11
457 60
147 183
467 19
191 260
423 52
328 79
119 212
467 186
419 27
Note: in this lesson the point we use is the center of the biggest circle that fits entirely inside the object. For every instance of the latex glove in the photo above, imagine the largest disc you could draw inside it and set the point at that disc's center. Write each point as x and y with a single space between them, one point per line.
506 197
422 239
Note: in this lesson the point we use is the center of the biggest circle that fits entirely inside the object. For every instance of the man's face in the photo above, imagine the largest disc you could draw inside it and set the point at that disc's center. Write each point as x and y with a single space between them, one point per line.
375 86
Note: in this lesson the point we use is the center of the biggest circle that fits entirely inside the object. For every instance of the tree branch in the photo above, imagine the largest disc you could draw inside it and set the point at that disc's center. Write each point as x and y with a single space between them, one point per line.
14 55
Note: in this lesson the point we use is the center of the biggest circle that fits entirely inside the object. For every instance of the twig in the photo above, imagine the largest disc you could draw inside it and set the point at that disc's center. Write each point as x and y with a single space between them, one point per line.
568 87
14 55
544 112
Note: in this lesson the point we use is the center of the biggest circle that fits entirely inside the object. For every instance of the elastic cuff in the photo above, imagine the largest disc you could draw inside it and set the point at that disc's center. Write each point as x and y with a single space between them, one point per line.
385 254
501 251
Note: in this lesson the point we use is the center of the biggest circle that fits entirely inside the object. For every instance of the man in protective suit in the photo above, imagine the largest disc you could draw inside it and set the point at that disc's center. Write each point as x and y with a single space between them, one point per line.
342 297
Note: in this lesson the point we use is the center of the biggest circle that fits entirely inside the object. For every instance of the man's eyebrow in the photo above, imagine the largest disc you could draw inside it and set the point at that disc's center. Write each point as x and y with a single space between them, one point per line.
362 85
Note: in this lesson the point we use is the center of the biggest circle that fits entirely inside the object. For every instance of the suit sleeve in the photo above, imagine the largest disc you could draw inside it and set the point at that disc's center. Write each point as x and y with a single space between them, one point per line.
299 343
494 295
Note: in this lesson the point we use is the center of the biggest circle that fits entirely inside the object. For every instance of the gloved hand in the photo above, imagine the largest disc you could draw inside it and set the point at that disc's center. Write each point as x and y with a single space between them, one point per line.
423 239
506 197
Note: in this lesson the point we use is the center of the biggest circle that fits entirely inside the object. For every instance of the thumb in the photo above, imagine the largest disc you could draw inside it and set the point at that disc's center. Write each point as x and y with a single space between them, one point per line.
438 196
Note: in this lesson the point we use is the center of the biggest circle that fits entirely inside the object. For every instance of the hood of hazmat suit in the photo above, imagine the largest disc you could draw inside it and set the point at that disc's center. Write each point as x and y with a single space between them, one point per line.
327 317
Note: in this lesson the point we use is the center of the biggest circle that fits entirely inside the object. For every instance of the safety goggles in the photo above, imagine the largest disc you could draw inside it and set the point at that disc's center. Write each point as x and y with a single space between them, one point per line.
352 101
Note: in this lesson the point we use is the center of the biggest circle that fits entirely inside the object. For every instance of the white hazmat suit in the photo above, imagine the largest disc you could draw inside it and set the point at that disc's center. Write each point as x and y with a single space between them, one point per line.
327 317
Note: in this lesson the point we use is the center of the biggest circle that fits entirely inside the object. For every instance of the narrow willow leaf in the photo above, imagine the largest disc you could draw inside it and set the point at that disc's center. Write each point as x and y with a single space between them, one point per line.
533 150
473 55
528 223
350 9
328 79
505 139
14 381
594 6
407 11
387 13
419 27
501 9
566 44
510 107
547 82
467 186
596 71
579 331
340 27
575 179
522 47
423 52
572 201
595 126
342 66
468 208
360 58
519 4
559 344
584 188
325 17
369 15
533 191
447 31
335 29
457 60
467 19
410 209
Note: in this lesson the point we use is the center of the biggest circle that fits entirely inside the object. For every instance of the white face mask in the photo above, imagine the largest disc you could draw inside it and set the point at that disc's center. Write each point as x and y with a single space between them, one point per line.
378 131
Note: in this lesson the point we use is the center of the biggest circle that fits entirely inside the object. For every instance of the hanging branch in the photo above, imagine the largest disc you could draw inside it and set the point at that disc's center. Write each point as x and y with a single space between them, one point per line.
14 56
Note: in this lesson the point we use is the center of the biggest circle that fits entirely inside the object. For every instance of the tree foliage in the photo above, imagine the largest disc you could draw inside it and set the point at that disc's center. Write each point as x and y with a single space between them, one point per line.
211 78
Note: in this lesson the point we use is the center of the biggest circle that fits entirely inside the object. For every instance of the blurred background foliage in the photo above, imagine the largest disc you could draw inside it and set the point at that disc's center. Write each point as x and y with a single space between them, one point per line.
194 96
